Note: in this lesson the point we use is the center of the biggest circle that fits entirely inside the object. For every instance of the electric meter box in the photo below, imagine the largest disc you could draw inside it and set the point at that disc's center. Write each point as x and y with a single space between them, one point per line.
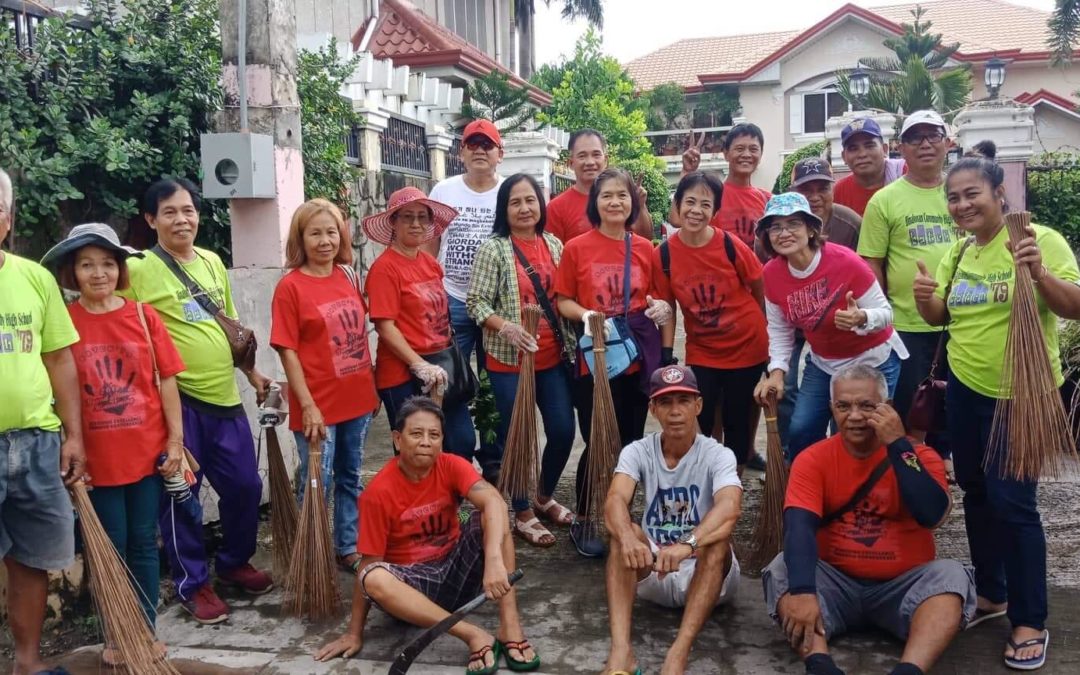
237 166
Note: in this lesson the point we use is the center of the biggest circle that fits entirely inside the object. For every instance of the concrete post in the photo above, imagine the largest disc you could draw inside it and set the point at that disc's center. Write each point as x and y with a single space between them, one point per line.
834 125
439 143
531 152
1011 126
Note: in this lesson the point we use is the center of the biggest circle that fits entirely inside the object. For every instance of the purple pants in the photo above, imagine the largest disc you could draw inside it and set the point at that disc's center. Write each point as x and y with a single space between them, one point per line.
224 449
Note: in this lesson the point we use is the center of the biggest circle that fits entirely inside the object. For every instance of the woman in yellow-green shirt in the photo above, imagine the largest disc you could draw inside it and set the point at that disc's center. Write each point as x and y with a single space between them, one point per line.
1008 546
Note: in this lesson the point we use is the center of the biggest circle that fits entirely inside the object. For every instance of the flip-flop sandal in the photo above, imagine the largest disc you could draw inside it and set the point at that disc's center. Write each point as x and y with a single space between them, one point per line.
1035 662
950 473
982 615
514 664
562 516
533 532
480 655
626 672
350 567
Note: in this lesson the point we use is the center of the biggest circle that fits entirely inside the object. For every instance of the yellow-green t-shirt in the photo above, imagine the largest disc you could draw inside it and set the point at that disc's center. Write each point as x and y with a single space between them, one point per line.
903 224
198 337
980 304
33 321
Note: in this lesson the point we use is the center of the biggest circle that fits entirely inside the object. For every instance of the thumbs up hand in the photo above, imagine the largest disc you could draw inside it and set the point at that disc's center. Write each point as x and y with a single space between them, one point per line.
924 285
851 317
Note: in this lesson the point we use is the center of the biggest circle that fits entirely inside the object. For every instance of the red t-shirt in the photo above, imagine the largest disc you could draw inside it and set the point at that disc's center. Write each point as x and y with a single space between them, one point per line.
725 326
566 217
740 209
811 303
539 257
849 193
409 291
878 539
123 424
404 522
323 320
591 272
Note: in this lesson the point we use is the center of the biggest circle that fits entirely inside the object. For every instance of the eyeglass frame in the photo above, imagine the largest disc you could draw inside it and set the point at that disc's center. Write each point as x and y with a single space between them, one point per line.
779 228
915 140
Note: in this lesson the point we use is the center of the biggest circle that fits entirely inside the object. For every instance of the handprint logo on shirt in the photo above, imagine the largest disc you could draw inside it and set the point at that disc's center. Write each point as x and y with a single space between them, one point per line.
434 300
607 284
114 392
344 321
708 306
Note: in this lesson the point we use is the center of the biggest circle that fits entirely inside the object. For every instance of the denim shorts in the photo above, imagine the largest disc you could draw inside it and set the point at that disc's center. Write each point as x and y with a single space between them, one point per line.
36 518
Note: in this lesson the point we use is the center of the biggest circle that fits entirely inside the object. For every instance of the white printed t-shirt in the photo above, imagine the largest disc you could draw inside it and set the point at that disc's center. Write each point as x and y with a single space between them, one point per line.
476 216
676 500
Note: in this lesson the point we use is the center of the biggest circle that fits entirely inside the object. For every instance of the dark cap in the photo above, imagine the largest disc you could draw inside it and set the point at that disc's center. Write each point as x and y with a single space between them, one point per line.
811 168
670 379
861 125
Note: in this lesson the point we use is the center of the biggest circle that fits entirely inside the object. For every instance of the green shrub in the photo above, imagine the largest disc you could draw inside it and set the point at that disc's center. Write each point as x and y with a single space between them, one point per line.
784 179
1053 194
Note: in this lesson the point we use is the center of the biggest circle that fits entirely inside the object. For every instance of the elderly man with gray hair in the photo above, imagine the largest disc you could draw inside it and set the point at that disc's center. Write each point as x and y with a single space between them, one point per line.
39 388
859 516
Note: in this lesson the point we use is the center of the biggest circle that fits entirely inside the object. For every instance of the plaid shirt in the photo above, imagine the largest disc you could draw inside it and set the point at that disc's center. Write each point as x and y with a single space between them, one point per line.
494 290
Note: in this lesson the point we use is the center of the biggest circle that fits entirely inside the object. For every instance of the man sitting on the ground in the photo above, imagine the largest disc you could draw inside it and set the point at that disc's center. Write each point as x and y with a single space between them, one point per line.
859 517
680 555
418 562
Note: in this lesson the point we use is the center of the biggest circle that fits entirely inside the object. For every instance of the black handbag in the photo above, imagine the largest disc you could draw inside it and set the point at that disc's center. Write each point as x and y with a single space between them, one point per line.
462 385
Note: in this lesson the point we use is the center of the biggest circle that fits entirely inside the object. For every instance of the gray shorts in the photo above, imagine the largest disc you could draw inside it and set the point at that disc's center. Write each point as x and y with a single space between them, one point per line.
850 604
37 525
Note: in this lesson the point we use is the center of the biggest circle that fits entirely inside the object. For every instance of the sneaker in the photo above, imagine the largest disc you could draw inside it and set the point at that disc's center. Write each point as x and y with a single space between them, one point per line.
249 579
206 607
757 462
586 539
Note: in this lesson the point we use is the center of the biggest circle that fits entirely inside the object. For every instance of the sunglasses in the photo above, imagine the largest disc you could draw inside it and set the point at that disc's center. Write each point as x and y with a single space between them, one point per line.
481 143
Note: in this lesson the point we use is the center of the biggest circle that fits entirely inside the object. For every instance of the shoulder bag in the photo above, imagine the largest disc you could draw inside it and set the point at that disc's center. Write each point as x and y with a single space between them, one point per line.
621 350
545 304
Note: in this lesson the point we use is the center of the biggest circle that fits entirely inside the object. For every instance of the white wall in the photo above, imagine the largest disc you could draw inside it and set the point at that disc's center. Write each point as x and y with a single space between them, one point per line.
1055 130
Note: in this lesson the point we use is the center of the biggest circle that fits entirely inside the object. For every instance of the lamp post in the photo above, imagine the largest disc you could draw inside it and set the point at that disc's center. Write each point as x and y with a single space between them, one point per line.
994 76
860 83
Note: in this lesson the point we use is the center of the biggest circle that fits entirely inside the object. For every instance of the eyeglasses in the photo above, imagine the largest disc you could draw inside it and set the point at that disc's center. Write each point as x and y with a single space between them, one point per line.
934 137
865 407
784 227
484 144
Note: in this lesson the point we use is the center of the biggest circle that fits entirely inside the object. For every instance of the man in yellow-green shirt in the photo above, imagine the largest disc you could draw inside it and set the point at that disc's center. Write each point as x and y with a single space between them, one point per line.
36 369
216 429
906 221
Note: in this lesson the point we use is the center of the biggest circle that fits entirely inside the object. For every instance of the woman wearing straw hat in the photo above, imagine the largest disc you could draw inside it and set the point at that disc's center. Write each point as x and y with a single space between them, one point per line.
832 295
509 268
410 309
129 424
320 332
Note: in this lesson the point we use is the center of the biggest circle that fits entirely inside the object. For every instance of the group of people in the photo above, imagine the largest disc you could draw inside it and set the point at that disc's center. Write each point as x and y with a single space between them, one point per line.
867 271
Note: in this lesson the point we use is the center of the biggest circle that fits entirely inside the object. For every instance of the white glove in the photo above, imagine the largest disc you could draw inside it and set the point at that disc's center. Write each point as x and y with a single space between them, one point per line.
659 311
434 377
588 327
515 334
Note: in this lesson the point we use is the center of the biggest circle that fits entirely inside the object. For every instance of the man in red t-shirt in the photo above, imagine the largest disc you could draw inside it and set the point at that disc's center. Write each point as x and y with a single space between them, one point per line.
866 155
418 563
859 517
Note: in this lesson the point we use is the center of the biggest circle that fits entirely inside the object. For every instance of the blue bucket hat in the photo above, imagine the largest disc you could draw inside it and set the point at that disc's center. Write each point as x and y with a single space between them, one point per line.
787 204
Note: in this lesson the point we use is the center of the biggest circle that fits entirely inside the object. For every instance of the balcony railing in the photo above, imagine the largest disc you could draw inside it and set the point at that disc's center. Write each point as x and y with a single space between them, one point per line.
22 20
404 147
672 142
452 163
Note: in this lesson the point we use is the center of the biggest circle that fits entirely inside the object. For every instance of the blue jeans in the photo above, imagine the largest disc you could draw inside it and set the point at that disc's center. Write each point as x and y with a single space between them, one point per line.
342 454
459 434
1004 529
785 407
129 515
553 398
812 413
469 337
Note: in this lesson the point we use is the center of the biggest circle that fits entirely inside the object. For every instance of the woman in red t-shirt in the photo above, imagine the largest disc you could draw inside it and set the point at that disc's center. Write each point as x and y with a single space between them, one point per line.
410 308
319 330
500 287
591 279
716 279
129 425
831 294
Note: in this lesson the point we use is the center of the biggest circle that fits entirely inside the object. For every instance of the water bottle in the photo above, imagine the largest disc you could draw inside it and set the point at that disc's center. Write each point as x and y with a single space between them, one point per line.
178 488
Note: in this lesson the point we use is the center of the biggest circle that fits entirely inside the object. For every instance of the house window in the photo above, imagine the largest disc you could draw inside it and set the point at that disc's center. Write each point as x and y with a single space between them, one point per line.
468 18
819 107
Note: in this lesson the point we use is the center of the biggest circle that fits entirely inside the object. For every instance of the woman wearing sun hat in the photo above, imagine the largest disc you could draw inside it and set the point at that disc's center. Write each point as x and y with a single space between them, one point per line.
832 295
128 422
410 309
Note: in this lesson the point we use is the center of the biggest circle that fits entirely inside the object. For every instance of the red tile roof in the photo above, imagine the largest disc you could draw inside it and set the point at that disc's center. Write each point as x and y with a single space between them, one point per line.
1045 96
410 37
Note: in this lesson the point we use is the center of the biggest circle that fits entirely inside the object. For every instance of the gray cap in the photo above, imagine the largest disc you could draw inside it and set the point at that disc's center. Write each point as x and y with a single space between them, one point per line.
88 234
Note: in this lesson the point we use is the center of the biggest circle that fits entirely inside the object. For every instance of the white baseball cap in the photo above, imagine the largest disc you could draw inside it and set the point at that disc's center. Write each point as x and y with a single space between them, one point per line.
930 117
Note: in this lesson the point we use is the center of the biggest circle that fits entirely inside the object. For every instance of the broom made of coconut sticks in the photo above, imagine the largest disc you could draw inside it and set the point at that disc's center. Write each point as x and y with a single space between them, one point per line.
767 538
1030 426
283 512
521 464
311 586
604 443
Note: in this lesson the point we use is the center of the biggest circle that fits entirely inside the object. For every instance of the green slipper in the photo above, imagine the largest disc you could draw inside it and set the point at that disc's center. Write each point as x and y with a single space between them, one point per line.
514 664
479 655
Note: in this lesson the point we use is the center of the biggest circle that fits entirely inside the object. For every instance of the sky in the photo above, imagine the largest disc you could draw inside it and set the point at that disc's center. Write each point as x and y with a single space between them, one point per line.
633 28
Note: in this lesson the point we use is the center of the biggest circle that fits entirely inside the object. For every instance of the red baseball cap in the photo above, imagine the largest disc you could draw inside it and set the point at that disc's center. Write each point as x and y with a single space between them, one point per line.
671 379
482 128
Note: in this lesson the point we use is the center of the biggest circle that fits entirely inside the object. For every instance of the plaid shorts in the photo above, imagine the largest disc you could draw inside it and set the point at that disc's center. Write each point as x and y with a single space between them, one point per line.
451 581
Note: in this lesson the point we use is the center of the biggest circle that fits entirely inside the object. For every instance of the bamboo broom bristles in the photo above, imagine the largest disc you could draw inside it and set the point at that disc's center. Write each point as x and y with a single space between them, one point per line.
114 593
767 538
311 587
283 515
604 442
1030 425
521 463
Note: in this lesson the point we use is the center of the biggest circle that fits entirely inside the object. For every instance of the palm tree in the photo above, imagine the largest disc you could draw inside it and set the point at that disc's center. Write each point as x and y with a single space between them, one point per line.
1064 30
590 10
916 78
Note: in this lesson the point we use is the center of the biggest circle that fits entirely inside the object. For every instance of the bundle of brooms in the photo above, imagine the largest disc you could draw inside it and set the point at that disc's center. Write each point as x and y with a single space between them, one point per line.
311 588
767 538
1030 425
113 591
521 463
604 441
283 515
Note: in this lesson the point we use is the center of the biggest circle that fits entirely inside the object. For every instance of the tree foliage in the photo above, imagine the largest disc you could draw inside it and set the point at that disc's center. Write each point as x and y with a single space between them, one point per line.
1053 194
664 106
493 98
1064 30
916 78
96 112
716 106
590 10
326 116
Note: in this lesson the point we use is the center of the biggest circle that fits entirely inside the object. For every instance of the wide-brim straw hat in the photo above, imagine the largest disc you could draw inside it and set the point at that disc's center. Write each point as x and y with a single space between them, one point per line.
380 227
88 234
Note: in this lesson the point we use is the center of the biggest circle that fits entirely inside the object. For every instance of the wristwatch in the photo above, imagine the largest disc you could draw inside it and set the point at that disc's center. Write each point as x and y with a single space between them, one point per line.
690 540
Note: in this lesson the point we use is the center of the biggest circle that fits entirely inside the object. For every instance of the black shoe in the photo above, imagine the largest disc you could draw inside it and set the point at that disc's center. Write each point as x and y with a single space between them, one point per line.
586 539
756 462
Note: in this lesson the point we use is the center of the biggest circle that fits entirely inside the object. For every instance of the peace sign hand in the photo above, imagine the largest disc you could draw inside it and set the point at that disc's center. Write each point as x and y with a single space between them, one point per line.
691 157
